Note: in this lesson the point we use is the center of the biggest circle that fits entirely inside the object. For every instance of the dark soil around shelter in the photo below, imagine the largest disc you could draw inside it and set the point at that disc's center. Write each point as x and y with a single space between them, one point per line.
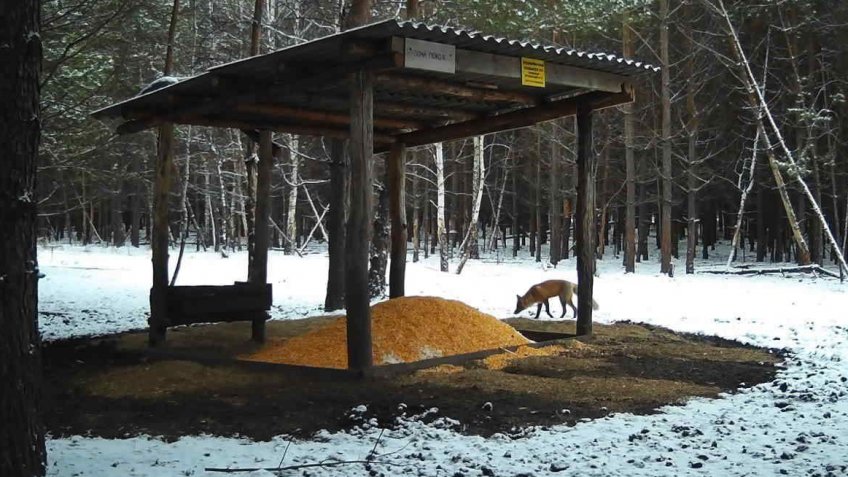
97 388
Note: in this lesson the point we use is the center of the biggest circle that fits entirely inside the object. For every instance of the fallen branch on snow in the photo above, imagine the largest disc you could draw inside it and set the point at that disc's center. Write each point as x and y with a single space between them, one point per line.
744 270
371 458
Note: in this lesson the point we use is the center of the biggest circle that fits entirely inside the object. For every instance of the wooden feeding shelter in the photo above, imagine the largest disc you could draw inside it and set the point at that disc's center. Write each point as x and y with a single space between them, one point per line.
385 87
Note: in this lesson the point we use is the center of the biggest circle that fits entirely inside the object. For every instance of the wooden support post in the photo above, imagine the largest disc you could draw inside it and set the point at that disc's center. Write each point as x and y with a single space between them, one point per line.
358 236
339 177
158 321
585 233
259 271
397 209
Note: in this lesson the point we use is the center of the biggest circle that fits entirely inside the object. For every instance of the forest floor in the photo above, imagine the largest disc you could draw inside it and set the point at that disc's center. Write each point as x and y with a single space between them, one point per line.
794 422
622 368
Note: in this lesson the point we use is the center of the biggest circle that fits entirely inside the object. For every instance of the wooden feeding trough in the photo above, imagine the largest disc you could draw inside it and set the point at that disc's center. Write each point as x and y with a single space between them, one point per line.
241 301
383 87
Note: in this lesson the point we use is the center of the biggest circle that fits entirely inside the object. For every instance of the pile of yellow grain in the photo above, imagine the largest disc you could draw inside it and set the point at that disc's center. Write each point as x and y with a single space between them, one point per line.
403 330
502 360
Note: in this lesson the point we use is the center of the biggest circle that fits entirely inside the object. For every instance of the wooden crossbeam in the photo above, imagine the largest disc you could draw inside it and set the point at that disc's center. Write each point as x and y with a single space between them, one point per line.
390 108
289 113
516 119
279 126
437 87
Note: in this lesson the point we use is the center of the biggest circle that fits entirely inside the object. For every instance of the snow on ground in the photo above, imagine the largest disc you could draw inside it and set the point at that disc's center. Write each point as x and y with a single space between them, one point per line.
797 425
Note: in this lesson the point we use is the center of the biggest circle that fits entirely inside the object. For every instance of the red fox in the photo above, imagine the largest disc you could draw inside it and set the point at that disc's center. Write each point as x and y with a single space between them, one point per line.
541 292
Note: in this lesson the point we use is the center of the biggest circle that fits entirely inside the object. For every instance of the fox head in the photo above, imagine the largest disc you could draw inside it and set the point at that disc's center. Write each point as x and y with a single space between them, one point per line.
519 305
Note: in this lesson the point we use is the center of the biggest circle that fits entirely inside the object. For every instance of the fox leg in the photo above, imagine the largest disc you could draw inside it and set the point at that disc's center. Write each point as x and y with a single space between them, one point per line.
563 301
571 304
538 310
548 309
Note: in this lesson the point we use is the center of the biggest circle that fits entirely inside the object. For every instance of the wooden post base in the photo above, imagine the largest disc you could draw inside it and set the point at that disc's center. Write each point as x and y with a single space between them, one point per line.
257 330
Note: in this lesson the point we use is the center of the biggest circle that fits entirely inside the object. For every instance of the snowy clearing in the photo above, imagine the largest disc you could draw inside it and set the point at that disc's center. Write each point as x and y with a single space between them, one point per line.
797 425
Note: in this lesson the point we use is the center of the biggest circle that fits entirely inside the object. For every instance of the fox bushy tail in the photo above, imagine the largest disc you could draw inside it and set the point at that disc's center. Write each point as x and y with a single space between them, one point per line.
594 303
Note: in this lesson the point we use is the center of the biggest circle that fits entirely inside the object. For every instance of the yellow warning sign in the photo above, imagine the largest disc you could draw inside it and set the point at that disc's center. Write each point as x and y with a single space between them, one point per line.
532 72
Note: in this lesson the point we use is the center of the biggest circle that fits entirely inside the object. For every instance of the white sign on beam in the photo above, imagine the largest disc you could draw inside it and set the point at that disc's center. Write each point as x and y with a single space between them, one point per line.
430 56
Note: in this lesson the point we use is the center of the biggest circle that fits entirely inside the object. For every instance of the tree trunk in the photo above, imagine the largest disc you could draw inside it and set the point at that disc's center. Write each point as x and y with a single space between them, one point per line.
379 245
293 183
602 233
440 208
22 433
470 183
397 210
532 229
454 206
118 235
135 201
496 230
183 208
538 197
515 219
758 102
339 187
416 215
251 161
630 166
586 231
644 224
428 233
479 178
665 209
554 201
158 320
692 133
743 198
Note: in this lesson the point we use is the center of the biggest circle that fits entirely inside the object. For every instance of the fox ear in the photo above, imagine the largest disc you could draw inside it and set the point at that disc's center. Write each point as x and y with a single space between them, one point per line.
518 296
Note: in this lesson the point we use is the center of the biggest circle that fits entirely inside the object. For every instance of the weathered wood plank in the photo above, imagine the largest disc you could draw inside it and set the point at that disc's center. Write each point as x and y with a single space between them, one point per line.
358 235
387 108
585 226
503 66
396 164
396 82
293 114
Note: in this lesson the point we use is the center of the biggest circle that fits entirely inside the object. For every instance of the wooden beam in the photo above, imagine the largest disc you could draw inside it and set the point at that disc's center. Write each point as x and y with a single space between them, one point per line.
387 108
158 322
513 120
475 62
358 237
288 113
339 178
396 164
277 126
502 66
396 82
585 227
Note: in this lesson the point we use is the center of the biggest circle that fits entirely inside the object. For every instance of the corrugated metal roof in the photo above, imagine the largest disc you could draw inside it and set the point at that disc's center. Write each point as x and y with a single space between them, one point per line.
467 39
473 40
313 75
